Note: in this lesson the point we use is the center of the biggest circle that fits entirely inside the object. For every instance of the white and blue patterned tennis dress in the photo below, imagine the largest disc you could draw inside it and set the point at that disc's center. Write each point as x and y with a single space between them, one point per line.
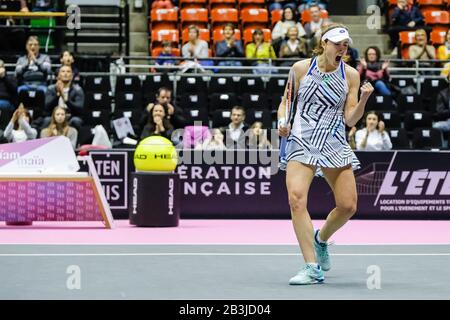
318 130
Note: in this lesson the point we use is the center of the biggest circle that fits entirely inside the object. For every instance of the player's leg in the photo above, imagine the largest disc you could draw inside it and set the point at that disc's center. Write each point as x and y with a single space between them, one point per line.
343 185
298 180
342 182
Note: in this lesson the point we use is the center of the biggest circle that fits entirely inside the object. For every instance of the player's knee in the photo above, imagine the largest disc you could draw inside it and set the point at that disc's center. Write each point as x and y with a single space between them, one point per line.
347 208
297 201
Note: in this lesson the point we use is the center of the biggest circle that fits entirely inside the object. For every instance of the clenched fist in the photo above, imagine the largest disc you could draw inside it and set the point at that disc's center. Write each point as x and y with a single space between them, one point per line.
366 90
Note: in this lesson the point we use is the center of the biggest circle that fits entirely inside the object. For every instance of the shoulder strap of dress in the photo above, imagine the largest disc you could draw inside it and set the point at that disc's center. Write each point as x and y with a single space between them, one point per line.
312 65
342 67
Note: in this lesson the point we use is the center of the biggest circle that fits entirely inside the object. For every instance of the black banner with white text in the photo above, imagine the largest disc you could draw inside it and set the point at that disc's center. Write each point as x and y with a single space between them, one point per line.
247 184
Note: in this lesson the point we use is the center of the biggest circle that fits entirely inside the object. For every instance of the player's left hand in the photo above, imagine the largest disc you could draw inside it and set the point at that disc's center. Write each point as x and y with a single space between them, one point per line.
366 90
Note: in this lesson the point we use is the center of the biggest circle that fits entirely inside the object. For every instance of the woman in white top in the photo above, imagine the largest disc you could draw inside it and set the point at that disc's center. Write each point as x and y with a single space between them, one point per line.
288 20
19 128
373 137
195 47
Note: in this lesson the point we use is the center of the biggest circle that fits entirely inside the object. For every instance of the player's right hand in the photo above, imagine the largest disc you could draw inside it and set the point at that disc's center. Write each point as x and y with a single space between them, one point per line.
284 131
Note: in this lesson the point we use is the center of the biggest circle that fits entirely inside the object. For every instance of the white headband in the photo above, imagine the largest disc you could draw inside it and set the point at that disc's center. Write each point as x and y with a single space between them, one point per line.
337 34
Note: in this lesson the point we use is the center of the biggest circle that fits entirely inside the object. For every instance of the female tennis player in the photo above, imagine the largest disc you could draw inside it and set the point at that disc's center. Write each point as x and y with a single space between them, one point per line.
320 99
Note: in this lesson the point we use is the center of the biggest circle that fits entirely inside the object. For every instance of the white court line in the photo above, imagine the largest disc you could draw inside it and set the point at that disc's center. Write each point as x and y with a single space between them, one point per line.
144 254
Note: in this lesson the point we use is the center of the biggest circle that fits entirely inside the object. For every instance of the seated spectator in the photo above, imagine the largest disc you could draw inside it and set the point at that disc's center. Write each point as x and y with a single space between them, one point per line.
281 4
229 47
175 114
67 59
259 49
373 137
443 108
8 89
351 57
23 6
195 48
68 95
33 68
443 53
44 5
258 137
313 28
18 128
235 133
374 71
165 54
405 17
158 123
215 142
307 4
279 33
59 126
421 50
293 47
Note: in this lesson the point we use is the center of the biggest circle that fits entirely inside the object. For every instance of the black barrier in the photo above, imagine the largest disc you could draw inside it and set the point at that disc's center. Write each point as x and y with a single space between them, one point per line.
246 184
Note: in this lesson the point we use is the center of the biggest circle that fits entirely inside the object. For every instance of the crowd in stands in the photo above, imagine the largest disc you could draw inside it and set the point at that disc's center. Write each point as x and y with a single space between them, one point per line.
236 114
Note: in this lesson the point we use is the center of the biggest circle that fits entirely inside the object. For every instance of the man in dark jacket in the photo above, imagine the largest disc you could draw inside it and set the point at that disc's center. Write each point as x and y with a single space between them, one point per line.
7 89
66 94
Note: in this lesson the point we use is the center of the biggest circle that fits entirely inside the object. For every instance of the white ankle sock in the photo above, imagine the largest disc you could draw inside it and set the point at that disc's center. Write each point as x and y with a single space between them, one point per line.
314 265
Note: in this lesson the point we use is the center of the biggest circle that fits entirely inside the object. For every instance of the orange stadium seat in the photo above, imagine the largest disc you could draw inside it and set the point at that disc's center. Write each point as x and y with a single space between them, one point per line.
407 38
162 4
248 35
276 16
196 16
164 18
252 4
434 3
156 51
306 16
204 35
254 17
436 17
221 16
215 4
437 37
192 4
159 36
218 35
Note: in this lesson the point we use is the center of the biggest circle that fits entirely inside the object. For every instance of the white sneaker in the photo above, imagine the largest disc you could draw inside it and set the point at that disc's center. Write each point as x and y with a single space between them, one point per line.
308 275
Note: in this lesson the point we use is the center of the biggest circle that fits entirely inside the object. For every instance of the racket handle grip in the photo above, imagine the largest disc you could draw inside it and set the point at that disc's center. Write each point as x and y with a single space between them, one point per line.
282 122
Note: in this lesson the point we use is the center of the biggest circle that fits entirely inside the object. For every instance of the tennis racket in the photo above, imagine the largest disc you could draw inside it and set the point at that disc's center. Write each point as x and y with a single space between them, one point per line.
289 106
